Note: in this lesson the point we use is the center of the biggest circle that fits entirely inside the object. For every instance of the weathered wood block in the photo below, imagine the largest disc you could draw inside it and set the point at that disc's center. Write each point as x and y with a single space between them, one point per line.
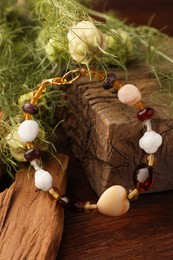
31 224
105 133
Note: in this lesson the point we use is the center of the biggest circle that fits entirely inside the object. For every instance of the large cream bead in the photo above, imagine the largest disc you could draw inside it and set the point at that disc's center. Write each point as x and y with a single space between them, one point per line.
113 201
129 94
28 130
150 141
43 180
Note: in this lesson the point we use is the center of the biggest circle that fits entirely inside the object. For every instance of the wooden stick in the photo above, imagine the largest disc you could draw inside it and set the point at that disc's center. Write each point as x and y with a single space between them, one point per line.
31 224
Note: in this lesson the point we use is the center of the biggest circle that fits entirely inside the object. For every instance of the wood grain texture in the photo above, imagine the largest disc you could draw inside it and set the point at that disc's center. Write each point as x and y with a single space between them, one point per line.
105 133
31 224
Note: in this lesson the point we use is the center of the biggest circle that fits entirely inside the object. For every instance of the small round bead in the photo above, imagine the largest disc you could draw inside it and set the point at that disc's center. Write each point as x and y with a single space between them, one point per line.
109 81
71 203
31 154
129 94
145 113
28 130
113 201
143 178
150 141
43 180
30 108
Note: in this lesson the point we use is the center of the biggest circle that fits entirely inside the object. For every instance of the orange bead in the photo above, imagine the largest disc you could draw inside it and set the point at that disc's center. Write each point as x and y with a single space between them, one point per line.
38 94
140 105
29 145
150 159
117 85
27 116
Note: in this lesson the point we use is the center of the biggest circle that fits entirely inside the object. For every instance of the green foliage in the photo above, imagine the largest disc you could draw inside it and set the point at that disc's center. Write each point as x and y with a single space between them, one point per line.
34 46
23 66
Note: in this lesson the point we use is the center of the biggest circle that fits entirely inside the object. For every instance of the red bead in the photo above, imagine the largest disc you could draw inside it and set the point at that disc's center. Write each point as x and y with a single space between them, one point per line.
32 154
109 81
71 203
143 178
30 108
145 113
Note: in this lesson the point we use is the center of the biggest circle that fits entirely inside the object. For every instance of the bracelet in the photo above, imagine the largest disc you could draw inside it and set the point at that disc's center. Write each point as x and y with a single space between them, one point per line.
115 200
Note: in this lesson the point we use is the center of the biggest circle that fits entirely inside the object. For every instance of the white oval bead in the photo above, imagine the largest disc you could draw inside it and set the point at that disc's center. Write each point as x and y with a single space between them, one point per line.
28 130
150 141
113 201
129 94
43 180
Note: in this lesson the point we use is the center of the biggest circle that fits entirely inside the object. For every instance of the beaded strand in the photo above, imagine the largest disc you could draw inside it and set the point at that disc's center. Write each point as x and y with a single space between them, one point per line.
115 200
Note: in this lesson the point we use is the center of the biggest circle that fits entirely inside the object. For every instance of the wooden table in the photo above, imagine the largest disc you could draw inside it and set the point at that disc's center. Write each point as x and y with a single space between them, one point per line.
145 232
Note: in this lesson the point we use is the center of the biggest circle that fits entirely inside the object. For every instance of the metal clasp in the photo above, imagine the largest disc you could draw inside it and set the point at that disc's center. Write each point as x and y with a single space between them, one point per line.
67 79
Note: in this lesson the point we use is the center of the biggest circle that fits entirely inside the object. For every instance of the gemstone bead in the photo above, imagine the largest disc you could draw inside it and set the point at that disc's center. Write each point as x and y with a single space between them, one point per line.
109 81
150 141
30 108
43 180
113 201
129 94
143 178
28 130
31 154
71 203
145 113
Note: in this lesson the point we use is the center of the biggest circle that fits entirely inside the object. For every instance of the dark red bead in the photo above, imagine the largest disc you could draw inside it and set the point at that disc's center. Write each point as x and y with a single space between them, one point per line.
143 178
145 113
30 108
109 81
32 154
71 203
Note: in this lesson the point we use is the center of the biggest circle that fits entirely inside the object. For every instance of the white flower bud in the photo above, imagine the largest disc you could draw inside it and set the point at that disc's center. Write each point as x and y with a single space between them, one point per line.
119 43
84 39
25 97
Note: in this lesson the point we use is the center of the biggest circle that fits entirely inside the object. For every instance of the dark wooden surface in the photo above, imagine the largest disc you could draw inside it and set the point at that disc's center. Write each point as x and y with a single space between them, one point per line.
146 231
157 12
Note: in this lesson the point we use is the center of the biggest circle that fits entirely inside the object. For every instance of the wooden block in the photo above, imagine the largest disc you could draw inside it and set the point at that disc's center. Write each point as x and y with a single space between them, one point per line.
105 133
31 223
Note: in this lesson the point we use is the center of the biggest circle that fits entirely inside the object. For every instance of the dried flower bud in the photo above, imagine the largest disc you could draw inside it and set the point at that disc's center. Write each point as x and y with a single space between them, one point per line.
119 43
25 97
84 41
52 49
55 48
